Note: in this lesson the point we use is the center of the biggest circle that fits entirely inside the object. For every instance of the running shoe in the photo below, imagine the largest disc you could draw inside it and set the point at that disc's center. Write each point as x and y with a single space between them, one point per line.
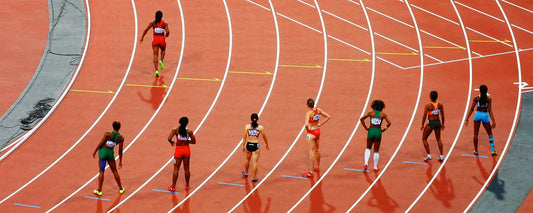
376 169
494 153
441 158
255 180
99 193
161 65
244 174
316 169
171 188
156 73
428 158
187 188
475 152
121 191
365 167
308 174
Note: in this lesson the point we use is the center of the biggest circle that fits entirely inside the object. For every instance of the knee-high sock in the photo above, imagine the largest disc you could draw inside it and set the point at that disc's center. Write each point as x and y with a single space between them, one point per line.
367 155
376 159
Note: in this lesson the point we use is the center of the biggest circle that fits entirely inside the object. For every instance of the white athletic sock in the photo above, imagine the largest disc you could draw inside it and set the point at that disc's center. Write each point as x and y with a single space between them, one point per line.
367 155
376 159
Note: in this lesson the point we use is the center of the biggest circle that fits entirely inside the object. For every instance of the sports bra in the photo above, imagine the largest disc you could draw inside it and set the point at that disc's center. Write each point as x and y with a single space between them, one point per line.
253 132
436 110
113 142
315 117
181 138
158 29
376 120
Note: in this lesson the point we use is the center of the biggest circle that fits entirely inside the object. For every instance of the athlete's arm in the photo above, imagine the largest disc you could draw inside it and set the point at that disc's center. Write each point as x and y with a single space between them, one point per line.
244 137
167 30
193 138
441 107
106 135
262 130
326 115
171 135
489 109
424 116
470 111
120 141
363 120
388 121
307 120
150 25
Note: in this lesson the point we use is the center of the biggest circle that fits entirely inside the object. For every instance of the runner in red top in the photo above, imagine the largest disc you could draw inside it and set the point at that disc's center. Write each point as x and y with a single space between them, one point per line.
312 125
160 31
182 153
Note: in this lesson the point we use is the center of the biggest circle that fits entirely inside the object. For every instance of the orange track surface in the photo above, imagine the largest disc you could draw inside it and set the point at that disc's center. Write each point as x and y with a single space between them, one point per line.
227 104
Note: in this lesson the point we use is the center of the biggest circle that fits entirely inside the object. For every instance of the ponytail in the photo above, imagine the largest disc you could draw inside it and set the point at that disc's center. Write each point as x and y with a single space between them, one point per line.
158 17
483 96
254 117
182 130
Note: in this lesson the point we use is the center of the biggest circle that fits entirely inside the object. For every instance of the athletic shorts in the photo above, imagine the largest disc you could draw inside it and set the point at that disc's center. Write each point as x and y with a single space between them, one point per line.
106 154
315 132
159 41
434 124
182 151
374 133
482 116
252 146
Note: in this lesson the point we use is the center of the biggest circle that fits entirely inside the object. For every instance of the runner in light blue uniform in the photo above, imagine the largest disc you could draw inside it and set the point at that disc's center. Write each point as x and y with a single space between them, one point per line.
483 115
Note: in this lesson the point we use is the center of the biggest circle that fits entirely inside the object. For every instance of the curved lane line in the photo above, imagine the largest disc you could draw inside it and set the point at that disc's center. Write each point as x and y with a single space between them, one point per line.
317 99
517 112
19 141
362 112
465 111
414 111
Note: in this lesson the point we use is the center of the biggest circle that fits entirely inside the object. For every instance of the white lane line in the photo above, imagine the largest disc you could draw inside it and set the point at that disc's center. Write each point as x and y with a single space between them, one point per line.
260 111
448 20
464 114
90 128
371 32
24 137
491 16
300 23
517 113
523 8
413 114
302 129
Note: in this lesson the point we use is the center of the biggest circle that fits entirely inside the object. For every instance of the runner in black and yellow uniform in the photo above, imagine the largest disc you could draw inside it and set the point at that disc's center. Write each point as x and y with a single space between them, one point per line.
374 132
107 154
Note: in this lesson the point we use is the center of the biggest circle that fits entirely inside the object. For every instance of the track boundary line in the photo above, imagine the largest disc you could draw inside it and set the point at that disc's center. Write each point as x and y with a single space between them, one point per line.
517 112
413 114
464 114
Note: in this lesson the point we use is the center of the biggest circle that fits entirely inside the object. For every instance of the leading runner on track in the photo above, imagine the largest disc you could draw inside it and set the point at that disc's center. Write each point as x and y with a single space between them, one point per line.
160 31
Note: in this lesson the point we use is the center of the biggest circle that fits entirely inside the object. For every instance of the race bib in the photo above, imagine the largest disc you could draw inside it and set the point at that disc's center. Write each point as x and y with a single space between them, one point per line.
253 132
375 121
159 30
316 117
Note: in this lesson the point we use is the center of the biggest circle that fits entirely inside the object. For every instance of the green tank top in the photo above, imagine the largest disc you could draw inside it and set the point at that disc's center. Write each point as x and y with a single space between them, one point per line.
376 120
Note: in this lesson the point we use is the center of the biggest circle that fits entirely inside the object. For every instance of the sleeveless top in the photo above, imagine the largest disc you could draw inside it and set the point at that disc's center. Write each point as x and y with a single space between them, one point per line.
158 29
316 116
436 110
376 120
253 132
113 142
482 105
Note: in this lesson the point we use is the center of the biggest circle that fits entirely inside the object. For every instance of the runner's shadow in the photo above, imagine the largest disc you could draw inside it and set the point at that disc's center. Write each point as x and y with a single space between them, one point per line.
99 206
184 207
317 200
157 92
380 199
442 189
253 203
497 185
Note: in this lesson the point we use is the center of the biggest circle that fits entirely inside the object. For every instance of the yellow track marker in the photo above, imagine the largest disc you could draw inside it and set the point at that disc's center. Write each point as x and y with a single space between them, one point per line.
444 47
139 85
301 66
348 59
200 79
411 53
255 73
92 91
491 41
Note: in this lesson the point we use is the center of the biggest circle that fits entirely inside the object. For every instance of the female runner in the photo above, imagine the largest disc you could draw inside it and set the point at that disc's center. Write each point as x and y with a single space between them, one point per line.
250 145
160 32
374 132
312 125
184 137
483 115
432 110
107 154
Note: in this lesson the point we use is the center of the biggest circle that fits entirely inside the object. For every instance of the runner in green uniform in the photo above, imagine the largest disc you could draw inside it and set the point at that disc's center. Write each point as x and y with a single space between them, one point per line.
374 132
107 154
